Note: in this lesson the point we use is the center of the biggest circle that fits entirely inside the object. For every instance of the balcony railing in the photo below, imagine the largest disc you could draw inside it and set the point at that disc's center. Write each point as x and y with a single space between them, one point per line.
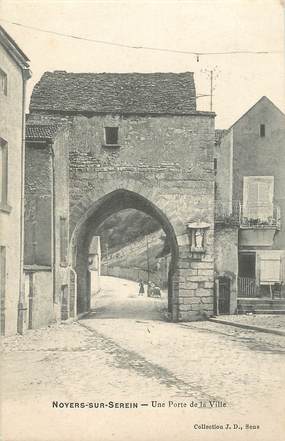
247 287
259 215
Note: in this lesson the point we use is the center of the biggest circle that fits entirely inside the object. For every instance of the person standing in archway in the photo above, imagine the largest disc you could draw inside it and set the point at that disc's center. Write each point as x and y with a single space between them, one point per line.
141 288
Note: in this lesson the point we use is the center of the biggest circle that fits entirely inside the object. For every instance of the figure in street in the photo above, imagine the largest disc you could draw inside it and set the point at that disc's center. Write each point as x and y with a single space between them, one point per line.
141 288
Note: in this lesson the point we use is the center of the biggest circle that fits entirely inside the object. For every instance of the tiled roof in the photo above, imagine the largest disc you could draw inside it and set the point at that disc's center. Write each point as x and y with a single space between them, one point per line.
150 93
219 133
40 132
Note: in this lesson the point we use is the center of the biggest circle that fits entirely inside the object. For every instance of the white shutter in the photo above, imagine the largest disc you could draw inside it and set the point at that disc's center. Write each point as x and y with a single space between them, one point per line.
282 276
258 197
1 172
270 267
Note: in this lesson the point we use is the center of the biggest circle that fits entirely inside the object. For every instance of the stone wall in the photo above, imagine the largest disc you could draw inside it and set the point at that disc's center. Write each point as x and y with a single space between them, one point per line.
134 248
38 205
168 161
10 213
130 273
226 259
224 177
39 298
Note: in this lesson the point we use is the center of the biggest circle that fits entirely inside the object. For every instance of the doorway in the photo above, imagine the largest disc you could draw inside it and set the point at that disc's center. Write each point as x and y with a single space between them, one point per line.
223 296
247 274
246 263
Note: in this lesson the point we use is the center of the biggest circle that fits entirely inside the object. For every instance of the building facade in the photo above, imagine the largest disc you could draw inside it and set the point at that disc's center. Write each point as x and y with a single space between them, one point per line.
250 208
14 73
122 141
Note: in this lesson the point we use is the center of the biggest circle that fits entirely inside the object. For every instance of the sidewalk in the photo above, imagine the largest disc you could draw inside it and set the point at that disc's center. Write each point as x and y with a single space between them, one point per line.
274 323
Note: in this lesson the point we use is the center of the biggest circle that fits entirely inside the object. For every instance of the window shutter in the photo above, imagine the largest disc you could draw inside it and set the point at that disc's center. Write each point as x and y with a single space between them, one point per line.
283 267
258 197
270 267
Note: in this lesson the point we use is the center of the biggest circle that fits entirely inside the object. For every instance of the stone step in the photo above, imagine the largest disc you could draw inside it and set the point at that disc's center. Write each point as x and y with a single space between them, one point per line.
262 305
259 299
269 311
266 306
262 302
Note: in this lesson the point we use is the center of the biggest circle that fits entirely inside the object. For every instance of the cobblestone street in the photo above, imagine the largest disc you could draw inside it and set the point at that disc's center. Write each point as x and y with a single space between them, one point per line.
124 352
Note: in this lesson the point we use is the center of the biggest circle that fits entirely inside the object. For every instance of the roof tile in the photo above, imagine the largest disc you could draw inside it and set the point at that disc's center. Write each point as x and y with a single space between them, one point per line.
40 132
150 93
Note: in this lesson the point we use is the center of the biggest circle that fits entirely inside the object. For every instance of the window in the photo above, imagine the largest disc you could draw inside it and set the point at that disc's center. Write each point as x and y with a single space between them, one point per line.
258 197
3 82
262 130
270 267
3 173
63 241
215 165
111 135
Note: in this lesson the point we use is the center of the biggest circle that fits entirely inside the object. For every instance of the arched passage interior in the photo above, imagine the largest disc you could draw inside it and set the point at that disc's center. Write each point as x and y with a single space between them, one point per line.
99 211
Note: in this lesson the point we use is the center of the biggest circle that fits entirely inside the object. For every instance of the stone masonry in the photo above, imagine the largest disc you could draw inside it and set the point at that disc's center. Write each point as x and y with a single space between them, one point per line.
162 164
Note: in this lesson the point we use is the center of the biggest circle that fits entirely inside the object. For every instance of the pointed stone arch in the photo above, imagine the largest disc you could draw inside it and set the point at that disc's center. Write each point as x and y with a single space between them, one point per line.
99 210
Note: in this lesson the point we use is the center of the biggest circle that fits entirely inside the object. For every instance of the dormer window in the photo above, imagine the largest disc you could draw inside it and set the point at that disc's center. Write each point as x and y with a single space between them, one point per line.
112 136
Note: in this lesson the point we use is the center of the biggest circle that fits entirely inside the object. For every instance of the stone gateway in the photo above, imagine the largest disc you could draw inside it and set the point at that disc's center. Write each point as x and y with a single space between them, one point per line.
117 141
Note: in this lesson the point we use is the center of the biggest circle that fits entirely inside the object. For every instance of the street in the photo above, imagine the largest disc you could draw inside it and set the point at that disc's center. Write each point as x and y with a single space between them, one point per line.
125 352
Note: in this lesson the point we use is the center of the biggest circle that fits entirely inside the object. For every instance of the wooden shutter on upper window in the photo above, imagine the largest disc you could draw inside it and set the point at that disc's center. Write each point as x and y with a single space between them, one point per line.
258 197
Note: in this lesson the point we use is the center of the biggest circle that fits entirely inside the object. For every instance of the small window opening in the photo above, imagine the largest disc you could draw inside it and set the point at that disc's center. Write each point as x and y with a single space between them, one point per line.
215 165
262 130
3 172
111 135
3 82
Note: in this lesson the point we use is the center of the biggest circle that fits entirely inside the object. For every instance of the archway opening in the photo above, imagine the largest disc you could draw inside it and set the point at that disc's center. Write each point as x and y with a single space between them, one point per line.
109 207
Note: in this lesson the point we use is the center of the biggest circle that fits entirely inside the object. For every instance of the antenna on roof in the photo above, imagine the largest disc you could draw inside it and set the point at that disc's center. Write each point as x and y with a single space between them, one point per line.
212 74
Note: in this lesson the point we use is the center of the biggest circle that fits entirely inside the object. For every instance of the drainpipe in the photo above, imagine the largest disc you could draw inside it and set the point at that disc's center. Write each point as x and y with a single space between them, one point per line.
26 74
75 292
53 235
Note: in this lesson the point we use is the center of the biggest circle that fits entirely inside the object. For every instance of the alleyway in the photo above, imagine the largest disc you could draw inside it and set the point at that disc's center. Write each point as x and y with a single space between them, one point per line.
122 352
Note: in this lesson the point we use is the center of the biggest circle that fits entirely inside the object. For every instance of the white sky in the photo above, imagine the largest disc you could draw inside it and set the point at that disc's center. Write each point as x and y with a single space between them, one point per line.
195 25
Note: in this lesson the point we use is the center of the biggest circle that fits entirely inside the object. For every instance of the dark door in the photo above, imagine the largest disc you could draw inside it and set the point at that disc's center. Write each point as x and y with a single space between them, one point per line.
224 295
246 275
246 263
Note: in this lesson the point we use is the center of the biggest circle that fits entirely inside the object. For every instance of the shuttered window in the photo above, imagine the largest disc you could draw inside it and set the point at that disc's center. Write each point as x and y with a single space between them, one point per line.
270 267
258 197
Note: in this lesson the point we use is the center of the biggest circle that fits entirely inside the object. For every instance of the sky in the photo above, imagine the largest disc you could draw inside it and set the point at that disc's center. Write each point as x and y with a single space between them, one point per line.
194 25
